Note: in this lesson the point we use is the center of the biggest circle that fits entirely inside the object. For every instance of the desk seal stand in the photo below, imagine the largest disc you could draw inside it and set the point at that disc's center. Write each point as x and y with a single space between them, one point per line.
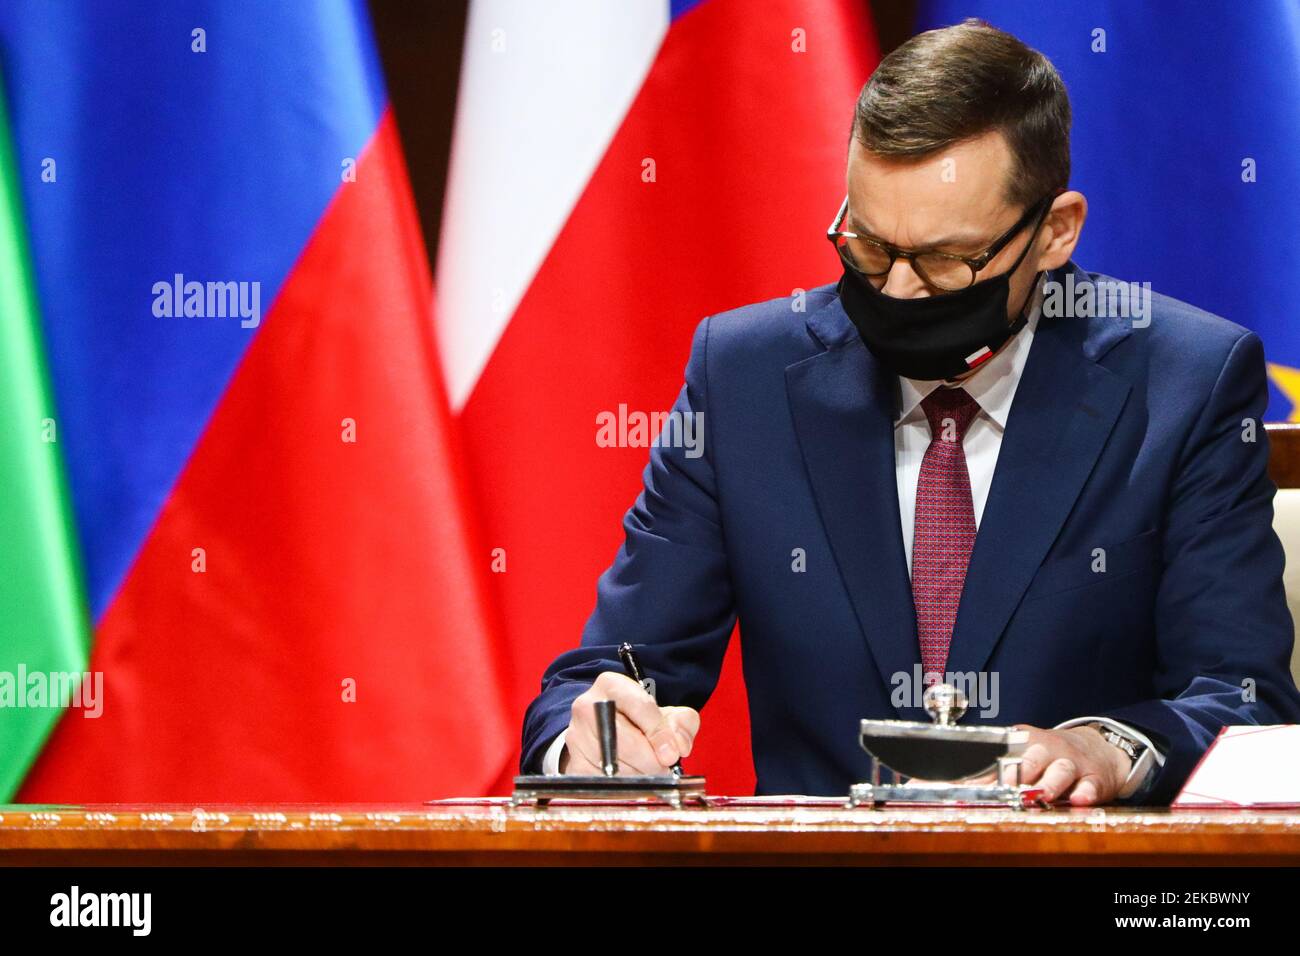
939 752
671 788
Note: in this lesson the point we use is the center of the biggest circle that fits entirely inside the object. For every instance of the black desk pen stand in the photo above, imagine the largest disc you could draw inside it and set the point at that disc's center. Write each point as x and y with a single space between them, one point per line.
671 788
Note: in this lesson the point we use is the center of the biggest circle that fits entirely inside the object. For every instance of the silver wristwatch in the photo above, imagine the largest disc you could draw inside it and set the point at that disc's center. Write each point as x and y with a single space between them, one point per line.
1142 756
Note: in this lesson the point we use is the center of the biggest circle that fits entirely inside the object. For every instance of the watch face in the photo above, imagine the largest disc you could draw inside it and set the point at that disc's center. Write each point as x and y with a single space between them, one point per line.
1125 743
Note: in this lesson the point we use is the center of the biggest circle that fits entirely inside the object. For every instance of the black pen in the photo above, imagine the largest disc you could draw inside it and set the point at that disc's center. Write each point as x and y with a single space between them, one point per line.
632 668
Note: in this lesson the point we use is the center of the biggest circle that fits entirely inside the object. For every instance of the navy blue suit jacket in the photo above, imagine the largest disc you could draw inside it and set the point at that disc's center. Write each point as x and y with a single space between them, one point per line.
1129 439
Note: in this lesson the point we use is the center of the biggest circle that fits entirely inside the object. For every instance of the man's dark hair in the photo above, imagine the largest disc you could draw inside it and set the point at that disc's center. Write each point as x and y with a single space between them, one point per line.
945 86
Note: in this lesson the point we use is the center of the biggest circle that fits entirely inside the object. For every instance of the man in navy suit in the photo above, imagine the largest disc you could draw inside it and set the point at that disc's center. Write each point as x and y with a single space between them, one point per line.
967 460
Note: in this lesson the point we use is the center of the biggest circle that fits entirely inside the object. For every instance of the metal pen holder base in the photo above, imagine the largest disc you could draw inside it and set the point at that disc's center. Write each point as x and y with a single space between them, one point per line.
541 789
1015 795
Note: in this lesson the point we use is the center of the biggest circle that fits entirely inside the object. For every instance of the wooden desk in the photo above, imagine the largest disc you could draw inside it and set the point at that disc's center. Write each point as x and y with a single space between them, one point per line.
489 832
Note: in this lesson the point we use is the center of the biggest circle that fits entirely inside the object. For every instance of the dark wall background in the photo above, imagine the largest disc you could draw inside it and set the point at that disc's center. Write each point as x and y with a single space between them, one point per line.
420 45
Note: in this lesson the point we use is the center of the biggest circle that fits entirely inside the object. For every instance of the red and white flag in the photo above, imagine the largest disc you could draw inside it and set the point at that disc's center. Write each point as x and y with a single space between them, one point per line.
619 171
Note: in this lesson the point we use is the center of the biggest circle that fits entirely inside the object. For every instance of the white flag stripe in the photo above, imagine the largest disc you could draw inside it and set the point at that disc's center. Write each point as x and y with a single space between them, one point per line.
543 89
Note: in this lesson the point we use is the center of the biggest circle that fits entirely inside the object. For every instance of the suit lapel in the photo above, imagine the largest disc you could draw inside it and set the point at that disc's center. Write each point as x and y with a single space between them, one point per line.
1064 410
842 403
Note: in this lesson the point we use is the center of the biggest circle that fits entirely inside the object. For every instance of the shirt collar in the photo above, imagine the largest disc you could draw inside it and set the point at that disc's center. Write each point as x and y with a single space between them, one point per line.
993 386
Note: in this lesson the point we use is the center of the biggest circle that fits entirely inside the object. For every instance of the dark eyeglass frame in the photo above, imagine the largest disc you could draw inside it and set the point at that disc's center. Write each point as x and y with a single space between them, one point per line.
975 263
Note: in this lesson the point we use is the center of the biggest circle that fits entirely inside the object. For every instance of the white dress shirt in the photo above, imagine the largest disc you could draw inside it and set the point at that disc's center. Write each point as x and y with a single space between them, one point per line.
993 387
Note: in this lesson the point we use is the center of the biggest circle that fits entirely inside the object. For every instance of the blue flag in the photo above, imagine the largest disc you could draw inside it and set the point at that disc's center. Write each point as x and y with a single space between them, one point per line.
1186 142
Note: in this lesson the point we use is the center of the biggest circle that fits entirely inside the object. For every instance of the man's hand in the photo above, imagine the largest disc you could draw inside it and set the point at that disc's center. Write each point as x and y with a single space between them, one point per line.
1077 761
650 738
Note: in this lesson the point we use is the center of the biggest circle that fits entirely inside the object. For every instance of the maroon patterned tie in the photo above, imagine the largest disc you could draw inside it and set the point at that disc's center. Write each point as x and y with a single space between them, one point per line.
945 526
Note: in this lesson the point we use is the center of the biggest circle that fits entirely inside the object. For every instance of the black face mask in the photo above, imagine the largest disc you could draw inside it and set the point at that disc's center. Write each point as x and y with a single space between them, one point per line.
937 336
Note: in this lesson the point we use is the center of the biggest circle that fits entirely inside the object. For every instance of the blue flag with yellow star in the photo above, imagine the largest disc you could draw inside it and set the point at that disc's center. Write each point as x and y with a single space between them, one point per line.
1186 142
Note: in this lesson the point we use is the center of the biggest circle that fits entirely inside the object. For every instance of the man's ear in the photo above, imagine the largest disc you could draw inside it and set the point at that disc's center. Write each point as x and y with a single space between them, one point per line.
1061 229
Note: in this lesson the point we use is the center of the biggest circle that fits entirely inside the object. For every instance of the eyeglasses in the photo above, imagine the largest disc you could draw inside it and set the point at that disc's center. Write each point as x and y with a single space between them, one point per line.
950 273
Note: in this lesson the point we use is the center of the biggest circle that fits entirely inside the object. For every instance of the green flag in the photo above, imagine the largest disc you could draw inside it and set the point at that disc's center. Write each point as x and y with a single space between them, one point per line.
44 627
